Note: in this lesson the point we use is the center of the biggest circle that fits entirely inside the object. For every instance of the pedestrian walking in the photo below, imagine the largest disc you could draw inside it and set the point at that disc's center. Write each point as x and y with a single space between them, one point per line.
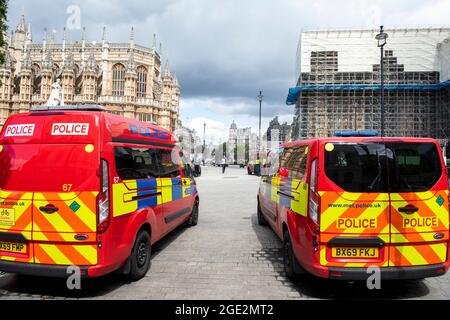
224 165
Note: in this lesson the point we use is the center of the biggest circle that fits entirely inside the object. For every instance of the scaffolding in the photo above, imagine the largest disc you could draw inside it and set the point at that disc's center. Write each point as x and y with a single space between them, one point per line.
332 98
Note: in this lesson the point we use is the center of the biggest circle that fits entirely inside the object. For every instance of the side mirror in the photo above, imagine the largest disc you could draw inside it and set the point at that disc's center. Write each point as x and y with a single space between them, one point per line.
197 170
283 172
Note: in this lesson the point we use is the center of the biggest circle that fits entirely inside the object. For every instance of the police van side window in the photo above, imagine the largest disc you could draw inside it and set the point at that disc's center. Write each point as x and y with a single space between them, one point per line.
136 163
295 159
273 162
169 164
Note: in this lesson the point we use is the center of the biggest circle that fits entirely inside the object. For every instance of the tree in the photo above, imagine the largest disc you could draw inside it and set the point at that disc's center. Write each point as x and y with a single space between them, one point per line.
3 27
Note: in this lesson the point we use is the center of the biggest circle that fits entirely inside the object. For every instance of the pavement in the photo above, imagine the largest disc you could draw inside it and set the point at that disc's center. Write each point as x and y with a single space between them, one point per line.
226 256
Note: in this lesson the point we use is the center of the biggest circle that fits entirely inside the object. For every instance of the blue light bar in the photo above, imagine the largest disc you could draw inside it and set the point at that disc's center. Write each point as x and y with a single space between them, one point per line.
367 133
85 107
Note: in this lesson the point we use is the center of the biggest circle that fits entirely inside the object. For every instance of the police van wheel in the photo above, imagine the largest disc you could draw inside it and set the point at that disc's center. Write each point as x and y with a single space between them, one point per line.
193 219
291 266
261 220
140 256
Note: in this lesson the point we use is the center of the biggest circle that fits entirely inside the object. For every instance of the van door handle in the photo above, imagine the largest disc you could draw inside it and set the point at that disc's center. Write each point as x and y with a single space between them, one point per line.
408 209
50 208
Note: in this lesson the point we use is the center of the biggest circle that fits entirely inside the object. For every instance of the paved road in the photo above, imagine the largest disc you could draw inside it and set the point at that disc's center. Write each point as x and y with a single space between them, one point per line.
227 256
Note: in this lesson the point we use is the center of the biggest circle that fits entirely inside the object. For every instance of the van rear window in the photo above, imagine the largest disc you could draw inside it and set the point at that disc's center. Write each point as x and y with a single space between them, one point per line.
357 167
414 167
375 167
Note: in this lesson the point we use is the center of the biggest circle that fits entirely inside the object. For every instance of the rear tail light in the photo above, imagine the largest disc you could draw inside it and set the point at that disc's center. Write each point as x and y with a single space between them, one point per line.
103 205
314 199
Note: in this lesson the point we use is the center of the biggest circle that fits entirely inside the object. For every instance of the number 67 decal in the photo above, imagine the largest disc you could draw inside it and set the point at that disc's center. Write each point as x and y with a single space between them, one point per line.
67 187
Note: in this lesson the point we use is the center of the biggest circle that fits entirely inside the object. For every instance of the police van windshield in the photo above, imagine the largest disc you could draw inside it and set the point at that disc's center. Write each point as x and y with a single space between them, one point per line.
49 167
375 167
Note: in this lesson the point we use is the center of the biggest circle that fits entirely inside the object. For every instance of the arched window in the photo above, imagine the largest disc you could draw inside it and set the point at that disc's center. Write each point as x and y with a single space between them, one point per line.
141 82
118 81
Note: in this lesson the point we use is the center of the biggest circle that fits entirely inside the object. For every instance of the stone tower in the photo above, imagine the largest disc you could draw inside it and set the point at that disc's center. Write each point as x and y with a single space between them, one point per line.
89 86
26 83
68 79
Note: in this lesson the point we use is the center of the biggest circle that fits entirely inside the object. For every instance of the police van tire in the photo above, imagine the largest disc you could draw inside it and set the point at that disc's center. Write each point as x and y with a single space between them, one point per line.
193 219
261 220
291 266
140 256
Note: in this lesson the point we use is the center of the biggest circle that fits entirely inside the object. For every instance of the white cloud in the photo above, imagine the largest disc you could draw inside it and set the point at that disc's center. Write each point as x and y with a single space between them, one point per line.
216 131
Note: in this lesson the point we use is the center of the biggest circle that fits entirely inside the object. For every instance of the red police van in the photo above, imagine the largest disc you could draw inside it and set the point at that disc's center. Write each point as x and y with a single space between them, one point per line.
344 204
79 186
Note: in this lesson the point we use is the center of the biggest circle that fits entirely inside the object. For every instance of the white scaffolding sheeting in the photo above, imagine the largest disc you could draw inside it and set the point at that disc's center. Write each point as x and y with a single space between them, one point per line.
358 51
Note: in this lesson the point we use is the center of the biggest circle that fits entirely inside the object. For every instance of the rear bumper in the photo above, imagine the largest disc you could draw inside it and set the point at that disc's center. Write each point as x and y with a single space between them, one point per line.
389 273
41 270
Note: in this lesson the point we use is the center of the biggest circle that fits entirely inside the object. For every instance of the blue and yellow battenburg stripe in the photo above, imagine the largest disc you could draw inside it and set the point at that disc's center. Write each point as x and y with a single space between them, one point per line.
132 195
287 192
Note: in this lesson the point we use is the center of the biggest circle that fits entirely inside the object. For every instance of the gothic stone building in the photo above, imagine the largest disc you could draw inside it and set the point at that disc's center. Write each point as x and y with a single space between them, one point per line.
125 78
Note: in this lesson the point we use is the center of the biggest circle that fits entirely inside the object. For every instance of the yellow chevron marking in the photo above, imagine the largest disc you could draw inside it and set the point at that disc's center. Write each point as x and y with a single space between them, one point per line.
7 258
85 213
323 256
355 264
440 211
440 249
88 252
55 220
55 254
67 196
412 255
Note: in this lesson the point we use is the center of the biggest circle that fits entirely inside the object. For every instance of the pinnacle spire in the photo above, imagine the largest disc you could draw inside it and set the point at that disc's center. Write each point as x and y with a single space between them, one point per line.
47 63
69 62
167 69
175 80
29 33
91 63
27 62
132 39
154 42
21 26
131 64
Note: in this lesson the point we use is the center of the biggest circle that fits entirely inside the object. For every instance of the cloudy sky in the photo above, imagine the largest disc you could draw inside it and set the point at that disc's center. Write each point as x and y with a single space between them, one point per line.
225 51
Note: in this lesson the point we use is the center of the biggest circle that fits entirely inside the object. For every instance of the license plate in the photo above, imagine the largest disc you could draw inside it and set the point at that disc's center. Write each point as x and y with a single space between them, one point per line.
7 217
13 247
348 252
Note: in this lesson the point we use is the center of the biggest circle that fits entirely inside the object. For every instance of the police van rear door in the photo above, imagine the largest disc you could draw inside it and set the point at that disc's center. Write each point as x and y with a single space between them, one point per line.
419 204
354 204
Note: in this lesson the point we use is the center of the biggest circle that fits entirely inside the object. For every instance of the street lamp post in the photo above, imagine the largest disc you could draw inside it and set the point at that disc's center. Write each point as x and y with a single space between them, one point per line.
260 99
204 142
381 37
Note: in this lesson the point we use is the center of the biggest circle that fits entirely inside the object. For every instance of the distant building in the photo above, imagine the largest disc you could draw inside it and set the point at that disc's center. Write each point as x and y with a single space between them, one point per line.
125 78
189 141
338 85
277 133
241 143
